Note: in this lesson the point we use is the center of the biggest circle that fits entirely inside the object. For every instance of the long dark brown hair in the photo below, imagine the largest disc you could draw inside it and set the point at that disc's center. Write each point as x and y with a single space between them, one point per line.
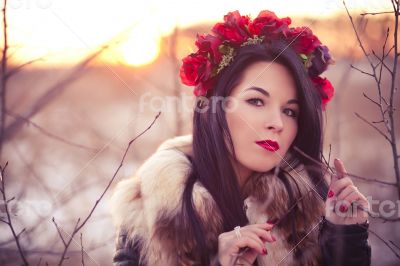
211 136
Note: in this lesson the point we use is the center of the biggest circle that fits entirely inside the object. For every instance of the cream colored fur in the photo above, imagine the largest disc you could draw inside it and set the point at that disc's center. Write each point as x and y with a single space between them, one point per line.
157 187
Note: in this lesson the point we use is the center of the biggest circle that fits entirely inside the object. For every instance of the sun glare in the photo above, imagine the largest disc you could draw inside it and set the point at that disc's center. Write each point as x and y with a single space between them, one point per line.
62 34
141 48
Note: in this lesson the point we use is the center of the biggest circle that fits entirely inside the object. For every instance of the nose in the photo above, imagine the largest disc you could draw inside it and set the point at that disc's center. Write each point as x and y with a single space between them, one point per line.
274 121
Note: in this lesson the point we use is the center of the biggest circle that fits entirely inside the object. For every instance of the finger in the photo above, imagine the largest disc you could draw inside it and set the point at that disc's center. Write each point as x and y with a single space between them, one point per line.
356 198
334 179
246 241
265 235
346 192
253 236
340 184
340 170
265 226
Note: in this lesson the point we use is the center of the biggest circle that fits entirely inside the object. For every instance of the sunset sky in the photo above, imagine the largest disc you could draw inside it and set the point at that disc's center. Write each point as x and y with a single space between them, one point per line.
62 32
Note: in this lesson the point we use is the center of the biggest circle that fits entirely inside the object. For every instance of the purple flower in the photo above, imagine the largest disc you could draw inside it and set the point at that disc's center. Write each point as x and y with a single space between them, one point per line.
320 62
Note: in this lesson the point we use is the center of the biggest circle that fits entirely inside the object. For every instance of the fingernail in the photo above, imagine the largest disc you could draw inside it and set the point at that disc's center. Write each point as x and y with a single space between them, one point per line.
265 252
273 238
330 194
343 208
271 221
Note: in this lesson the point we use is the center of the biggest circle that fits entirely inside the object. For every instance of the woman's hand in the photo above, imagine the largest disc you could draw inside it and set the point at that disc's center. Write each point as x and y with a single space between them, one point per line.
251 239
345 204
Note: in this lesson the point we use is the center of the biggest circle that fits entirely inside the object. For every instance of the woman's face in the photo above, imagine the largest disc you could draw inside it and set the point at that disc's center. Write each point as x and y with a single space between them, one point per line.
262 106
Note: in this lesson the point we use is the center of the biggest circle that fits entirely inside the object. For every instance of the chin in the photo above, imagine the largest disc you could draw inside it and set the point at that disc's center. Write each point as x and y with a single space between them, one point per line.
262 167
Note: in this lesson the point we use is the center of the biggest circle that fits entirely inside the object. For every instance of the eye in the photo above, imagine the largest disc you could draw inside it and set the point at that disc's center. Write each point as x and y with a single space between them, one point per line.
255 101
290 112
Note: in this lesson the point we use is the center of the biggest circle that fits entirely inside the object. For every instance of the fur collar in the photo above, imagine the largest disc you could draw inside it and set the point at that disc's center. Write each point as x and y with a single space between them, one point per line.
147 207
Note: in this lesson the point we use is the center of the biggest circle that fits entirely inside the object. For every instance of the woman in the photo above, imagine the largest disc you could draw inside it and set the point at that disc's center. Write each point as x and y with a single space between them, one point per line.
248 186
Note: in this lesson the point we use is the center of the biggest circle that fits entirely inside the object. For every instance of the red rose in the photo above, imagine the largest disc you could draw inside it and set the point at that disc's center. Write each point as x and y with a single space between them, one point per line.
234 29
268 24
208 45
195 68
325 89
304 41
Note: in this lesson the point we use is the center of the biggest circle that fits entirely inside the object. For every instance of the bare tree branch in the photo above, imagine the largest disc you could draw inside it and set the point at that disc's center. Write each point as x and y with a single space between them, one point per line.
394 244
357 35
391 99
48 134
362 71
83 261
3 89
17 69
7 211
332 171
385 242
51 93
63 255
377 13
388 219
372 125
366 96
59 232
79 225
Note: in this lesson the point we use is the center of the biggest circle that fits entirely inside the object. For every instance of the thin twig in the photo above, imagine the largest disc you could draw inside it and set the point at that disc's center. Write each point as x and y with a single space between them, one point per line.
376 128
67 244
388 219
83 261
357 35
79 225
347 173
362 71
59 231
377 13
394 244
375 102
116 172
385 242
51 135
17 69
7 211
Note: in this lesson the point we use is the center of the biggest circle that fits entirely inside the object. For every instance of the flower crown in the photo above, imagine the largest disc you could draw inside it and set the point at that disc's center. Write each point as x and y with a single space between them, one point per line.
215 52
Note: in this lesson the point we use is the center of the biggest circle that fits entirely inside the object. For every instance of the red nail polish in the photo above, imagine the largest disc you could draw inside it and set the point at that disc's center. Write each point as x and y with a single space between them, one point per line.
273 238
343 208
271 221
265 251
330 194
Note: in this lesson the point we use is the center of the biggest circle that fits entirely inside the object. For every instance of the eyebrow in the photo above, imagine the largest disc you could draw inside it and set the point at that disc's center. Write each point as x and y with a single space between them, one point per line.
266 93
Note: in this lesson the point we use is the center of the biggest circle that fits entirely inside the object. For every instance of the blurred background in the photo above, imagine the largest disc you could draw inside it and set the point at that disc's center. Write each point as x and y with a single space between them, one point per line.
88 76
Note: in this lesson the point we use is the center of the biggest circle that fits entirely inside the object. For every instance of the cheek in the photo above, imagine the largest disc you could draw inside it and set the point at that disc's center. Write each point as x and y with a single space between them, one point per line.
242 129
291 131
243 121
235 123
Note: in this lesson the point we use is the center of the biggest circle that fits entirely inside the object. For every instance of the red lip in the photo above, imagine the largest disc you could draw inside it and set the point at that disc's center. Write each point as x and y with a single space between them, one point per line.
268 144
